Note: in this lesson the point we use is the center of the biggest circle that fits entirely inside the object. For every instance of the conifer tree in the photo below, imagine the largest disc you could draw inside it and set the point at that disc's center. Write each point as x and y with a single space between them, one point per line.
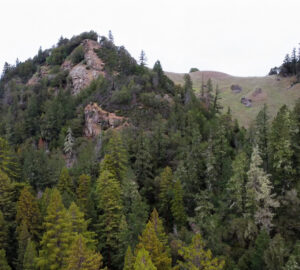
3 232
143 261
82 258
177 205
165 194
29 261
65 186
262 135
158 253
28 212
282 149
83 192
260 200
7 205
8 164
236 186
57 237
79 225
128 260
159 228
23 238
68 146
110 206
3 262
196 257
118 154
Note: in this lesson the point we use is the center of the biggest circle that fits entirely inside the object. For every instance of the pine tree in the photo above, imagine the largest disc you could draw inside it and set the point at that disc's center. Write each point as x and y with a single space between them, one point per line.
260 201
3 232
82 258
128 260
110 206
83 192
118 154
282 149
57 237
3 262
275 254
262 135
196 257
236 186
158 253
68 146
30 256
79 225
28 212
110 36
65 186
143 261
23 238
177 205
159 228
7 205
143 59
8 164
165 194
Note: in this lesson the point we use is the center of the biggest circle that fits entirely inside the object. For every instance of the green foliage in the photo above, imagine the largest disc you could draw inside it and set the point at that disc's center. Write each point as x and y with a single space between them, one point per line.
177 205
77 55
3 232
275 254
30 256
196 257
3 262
83 192
128 260
193 70
143 261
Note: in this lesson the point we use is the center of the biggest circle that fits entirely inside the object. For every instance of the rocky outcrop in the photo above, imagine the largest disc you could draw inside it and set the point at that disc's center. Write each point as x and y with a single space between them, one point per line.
97 119
236 88
83 73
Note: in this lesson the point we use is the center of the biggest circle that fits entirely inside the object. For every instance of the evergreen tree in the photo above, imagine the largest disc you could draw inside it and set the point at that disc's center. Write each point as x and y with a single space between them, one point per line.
128 260
110 207
275 254
118 155
143 59
7 205
23 238
196 257
30 256
159 228
68 145
165 194
65 186
177 205
28 212
57 238
3 262
83 192
82 258
282 149
262 135
261 244
236 186
4 236
143 261
79 225
260 200
158 253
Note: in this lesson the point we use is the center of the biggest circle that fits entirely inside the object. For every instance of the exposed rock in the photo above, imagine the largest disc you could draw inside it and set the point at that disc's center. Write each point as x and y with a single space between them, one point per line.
97 119
236 88
246 101
83 73
256 92
82 77
43 72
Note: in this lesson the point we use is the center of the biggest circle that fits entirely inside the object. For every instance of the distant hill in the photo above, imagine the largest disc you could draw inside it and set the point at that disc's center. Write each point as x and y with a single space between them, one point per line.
273 90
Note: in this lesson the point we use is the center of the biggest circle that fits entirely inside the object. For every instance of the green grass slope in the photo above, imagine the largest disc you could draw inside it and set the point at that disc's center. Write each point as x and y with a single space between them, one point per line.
275 91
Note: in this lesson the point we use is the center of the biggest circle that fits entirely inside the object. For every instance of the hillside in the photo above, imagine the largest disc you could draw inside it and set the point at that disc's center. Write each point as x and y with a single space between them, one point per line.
275 92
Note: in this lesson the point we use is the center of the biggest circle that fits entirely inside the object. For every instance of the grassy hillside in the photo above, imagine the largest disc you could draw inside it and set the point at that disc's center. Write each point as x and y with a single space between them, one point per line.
275 91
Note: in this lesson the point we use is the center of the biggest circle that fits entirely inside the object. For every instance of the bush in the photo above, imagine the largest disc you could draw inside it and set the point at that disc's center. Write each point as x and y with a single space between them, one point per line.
77 55
121 97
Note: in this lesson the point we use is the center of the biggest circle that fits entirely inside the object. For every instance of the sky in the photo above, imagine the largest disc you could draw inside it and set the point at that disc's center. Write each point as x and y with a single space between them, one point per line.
238 37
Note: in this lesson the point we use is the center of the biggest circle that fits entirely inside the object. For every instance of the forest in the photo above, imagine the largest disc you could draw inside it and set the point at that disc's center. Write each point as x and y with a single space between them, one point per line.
179 184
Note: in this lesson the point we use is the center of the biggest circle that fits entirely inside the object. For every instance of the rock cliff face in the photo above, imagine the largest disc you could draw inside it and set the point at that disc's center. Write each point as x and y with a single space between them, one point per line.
97 119
83 73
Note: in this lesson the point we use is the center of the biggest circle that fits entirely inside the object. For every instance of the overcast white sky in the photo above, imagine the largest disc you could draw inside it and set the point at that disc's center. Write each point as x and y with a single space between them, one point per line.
239 37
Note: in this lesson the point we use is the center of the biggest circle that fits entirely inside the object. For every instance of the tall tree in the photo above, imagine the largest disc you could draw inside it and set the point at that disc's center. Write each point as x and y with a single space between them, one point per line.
83 192
260 200
30 256
143 261
177 205
110 207
82 258
128 260
3 262
196 257
57 238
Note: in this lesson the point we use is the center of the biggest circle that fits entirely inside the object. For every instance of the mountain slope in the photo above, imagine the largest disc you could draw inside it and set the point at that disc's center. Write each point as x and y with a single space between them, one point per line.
275 91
